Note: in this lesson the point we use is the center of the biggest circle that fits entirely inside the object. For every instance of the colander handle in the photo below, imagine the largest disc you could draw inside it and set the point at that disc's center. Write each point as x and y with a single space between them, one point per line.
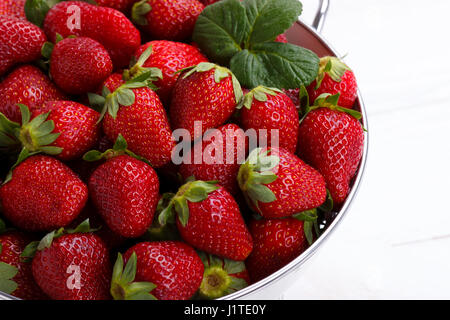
321 15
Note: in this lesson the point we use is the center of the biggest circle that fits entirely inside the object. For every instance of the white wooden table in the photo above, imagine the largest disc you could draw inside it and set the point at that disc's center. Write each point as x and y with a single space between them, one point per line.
395 241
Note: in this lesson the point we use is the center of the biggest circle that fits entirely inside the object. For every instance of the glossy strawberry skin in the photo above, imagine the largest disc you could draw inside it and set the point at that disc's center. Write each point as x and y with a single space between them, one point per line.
298 187
144 125
276 243
199 98
223 171
77 126
277 113
21 42
170 57
121 5
12 245
174 267
216 226
29 86
71 257
106 25
79 65
172 20
43 195
347 88
125 191
13 8
332 142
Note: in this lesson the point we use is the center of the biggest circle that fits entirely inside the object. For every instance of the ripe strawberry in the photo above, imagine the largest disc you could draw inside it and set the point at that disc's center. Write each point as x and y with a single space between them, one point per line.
276 243
222 276
106 25
170 20
270 109
209 219
221 157
334 77
207 94
29 86
13 8
125 192
169 57
294 95
332 141
121 5
135 112
79 65
42 194
21 42
21 285
171 270
277 184
73 265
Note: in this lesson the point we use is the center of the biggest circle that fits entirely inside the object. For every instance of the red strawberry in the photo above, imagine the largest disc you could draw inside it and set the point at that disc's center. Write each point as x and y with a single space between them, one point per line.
73 266
334 77
140 119
13 8
332 141
276 243
207 94
29 86
121 5
108 26
21 285
169 57
170 20
222 277
209 219
125 192
79 65
294 95
222 166
42 194
271 110
21 42
278 184
172 271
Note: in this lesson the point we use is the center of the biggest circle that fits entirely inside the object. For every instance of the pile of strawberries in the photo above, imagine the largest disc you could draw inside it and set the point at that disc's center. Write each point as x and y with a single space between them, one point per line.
90 99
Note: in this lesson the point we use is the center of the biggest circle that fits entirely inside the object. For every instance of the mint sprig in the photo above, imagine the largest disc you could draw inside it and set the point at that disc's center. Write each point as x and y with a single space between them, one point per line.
241 35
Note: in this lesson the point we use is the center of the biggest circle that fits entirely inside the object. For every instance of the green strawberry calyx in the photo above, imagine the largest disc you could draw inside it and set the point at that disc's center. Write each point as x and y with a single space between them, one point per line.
193 191
159 232
332 66
255 174
220 73
137 69
139 11
123 285
7 274
219 276
260 94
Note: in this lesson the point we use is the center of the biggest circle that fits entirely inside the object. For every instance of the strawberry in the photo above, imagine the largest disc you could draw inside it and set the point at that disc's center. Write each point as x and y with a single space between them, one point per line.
78 65
294 95
169 20
209 219
222 276
281 38
21 42
171 270
13 8
106 25
125 191
276 243
73 265
277 184
271 110
169 57
222 154
20 283
42 194
29 86
331 139
334 77
135 111
120 5
205 95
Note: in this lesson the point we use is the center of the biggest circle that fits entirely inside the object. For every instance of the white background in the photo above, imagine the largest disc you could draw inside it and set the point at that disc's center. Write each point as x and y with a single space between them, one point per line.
395 241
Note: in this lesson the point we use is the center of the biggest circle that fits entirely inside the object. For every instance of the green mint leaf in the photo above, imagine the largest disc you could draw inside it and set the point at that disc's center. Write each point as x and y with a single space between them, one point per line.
278 65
